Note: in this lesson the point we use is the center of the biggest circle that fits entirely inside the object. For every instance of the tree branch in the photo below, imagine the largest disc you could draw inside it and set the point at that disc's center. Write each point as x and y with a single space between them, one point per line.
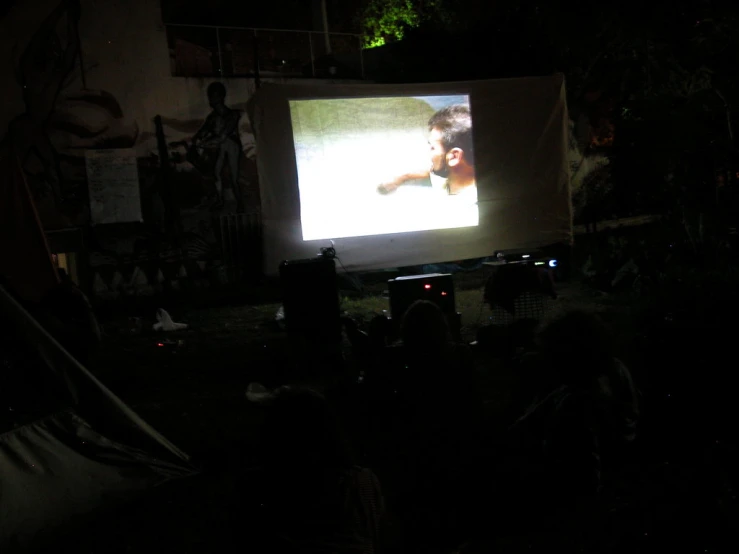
727 108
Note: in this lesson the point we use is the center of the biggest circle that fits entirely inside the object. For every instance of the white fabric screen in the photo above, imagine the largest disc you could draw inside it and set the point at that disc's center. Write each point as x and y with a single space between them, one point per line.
520 131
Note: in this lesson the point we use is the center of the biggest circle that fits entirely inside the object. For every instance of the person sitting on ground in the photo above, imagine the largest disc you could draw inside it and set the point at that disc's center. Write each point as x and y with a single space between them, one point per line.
431 360
594 368
379 332
313 496
429 424
366 346
425 351
587 412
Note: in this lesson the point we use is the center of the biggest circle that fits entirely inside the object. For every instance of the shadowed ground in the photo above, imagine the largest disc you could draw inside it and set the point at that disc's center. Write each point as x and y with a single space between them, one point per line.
193 392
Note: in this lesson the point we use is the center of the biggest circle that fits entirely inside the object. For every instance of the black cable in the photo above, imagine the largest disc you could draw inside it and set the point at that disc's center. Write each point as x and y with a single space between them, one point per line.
482 302
359 284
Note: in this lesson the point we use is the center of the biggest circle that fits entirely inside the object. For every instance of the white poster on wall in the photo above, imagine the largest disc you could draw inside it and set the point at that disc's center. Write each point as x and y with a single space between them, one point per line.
113 182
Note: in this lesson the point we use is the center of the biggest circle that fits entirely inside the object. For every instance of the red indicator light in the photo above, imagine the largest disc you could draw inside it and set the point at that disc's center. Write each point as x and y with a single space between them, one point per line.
427 287
443 293
160 344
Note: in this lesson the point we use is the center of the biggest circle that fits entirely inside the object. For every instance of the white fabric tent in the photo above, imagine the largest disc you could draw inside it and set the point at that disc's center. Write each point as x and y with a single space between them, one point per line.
68 446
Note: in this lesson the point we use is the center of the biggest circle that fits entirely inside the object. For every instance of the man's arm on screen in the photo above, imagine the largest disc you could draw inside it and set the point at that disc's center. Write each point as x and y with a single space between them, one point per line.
393 184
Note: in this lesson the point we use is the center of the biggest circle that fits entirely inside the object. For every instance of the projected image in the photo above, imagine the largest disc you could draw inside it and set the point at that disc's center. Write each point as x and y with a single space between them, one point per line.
372 166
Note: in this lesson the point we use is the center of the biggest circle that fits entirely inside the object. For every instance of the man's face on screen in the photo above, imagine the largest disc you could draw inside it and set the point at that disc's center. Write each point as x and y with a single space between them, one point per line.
439 164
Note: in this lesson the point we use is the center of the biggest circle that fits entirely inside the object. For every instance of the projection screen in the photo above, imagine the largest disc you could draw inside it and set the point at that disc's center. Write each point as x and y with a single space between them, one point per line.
399 175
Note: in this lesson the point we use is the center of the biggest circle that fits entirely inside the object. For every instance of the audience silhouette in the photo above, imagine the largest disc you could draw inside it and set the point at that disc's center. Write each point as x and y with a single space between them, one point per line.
313 496
583 415
425 413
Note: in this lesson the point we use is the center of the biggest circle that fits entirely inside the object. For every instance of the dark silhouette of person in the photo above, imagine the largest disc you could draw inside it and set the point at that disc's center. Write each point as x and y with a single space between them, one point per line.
44 66
582 355
585 412
368 348
313 495
427 425
221 132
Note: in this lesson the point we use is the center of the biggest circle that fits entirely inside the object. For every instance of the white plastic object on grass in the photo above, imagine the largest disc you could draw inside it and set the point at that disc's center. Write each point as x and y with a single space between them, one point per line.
257 392
165 323
280 317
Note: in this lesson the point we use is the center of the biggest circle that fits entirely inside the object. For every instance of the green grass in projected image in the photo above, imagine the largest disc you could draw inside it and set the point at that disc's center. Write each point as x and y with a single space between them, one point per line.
318 120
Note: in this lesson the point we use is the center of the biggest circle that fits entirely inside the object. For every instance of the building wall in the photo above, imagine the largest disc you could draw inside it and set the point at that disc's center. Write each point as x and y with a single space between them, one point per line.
127 70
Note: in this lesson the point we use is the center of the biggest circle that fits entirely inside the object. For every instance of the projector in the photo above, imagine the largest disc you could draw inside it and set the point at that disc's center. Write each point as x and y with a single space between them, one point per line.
528 257
435 287
512 256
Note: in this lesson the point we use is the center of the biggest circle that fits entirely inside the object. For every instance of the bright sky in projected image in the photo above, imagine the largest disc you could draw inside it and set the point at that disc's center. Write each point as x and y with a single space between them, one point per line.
345 148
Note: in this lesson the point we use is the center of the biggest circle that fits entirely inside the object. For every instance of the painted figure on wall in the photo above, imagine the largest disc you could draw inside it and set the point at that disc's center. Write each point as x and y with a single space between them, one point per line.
212 178
44 67
62 119
219 136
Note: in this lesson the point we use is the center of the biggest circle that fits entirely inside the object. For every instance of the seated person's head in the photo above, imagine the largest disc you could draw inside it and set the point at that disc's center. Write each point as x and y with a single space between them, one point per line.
424 328
577 342
379 330
301 432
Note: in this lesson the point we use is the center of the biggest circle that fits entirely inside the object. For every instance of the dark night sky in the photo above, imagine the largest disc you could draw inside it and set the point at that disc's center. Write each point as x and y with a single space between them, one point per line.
276 14
5 6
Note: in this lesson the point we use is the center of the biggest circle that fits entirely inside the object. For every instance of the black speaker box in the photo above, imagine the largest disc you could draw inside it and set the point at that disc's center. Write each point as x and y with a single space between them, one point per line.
435 287
310 298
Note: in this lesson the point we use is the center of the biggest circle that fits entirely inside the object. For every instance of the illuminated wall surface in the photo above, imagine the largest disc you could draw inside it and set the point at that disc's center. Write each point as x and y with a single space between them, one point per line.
128 68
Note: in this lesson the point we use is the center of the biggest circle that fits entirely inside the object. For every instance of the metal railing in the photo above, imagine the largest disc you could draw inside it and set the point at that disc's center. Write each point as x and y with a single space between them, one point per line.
224 51
241 245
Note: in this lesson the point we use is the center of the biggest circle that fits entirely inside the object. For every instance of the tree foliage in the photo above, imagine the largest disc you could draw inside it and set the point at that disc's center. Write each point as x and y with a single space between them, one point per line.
387 21
665 73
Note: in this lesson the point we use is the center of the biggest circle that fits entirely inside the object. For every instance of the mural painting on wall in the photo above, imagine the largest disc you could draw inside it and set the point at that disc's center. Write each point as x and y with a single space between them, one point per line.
212 180
210 188
61 120
217 154
209 172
